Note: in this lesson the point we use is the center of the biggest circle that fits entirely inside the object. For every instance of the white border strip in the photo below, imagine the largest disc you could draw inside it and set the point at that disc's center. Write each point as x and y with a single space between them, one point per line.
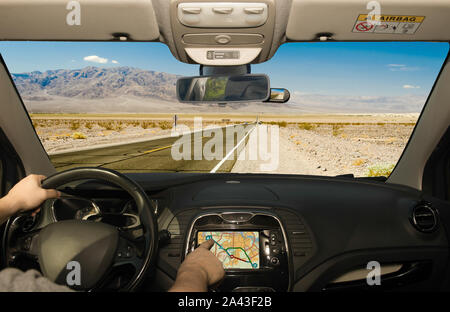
231 152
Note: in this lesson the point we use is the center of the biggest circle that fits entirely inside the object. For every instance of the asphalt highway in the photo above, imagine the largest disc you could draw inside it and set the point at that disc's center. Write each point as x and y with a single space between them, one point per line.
156 155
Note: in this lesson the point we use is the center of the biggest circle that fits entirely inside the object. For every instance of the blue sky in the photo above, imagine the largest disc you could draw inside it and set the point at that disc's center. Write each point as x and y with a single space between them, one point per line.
345 68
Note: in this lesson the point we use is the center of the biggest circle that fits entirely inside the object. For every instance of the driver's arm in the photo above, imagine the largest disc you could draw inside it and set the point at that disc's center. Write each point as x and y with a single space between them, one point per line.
199 270
26 195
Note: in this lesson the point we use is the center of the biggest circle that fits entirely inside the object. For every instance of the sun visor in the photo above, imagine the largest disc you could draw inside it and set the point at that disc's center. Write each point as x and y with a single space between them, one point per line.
414 20
77 20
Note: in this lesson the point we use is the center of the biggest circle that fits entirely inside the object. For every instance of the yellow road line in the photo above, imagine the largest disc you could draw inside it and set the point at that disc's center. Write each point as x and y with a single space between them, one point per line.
161 148
156 149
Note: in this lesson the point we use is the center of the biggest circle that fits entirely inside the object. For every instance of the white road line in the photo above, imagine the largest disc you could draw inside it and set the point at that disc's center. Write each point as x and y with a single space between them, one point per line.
231 152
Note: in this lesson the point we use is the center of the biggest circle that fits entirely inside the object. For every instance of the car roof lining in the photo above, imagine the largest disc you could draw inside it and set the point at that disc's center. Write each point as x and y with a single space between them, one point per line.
339 18
99 20
145 20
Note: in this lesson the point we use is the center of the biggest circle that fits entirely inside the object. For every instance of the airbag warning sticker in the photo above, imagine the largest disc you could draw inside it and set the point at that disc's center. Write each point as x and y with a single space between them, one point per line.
387 24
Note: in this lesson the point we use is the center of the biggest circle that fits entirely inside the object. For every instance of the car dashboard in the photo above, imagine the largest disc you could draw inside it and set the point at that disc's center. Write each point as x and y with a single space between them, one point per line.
313 233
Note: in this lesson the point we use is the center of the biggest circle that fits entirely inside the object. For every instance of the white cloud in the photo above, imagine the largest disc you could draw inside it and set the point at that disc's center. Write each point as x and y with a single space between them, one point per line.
401 67
96 59
114 62
410 87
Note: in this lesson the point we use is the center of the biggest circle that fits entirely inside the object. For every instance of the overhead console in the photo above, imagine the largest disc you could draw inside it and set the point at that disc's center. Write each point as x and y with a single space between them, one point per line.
223 14
222 33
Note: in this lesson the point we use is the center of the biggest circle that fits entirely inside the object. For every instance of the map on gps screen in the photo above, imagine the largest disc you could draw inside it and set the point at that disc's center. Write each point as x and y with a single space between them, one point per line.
236 250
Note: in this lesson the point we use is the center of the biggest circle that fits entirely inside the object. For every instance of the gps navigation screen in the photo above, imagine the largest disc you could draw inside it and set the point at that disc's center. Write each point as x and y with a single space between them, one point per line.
236 250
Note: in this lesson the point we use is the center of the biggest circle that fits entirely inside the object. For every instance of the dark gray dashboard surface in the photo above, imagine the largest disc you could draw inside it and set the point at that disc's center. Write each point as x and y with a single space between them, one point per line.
349 221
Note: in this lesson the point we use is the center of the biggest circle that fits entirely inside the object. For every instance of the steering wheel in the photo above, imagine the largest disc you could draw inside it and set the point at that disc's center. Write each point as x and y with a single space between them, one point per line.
98 250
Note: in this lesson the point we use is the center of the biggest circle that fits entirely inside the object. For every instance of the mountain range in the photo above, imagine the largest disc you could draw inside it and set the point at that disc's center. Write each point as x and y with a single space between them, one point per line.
96 83
132 90
114 90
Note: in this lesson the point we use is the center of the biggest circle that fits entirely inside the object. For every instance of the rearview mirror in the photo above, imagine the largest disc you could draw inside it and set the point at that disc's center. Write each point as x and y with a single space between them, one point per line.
220 88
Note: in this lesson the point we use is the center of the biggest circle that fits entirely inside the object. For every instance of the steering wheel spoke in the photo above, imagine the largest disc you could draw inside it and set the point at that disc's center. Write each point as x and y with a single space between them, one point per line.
127 253
24 245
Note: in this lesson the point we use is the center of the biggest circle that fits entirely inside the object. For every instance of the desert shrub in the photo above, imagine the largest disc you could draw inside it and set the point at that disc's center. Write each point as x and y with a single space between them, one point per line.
280 124
78 136
359 162
118 127
74 125
306 126
145 125
337 129
88 125
108 125
111 125
148 124
164 125
381 170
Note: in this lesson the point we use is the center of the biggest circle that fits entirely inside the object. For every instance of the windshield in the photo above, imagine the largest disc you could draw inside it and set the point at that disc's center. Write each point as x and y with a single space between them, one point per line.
352 108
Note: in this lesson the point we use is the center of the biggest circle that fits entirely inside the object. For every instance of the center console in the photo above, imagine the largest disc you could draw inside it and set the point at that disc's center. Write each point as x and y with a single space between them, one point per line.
251 245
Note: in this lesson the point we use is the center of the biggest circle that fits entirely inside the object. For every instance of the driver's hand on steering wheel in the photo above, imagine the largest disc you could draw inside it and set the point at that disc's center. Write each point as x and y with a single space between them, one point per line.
200 269
26 195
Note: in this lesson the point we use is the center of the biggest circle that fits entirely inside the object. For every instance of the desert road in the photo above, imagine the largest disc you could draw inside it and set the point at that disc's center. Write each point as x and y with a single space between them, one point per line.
155 155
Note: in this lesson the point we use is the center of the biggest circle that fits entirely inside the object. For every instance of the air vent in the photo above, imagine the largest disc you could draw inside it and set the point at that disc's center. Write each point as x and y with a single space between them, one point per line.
178 226
425 218
300 240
